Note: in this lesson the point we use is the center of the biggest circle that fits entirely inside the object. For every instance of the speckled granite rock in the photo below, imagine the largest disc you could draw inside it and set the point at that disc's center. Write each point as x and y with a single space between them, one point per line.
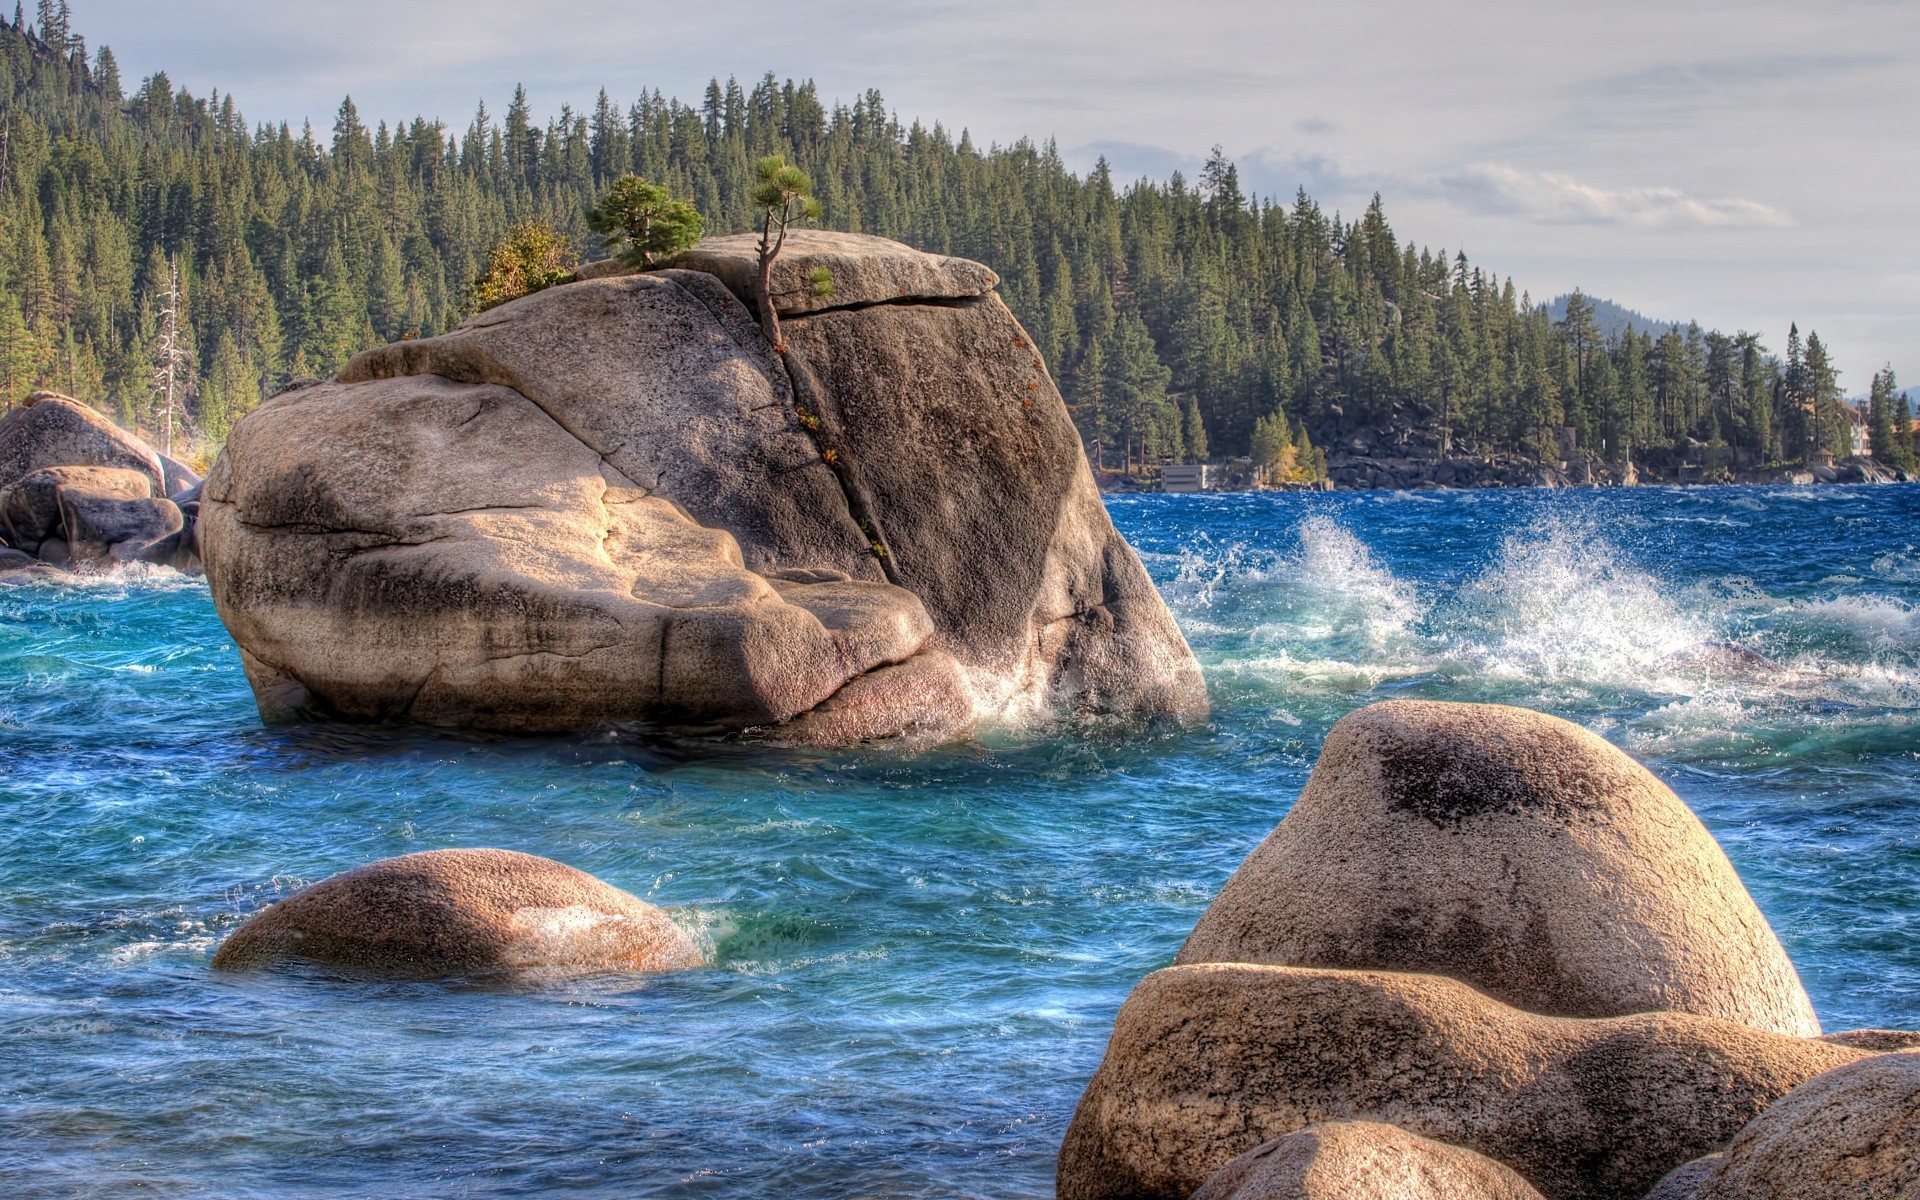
451 912
1211 1060
1516 852
1362 1160
610 501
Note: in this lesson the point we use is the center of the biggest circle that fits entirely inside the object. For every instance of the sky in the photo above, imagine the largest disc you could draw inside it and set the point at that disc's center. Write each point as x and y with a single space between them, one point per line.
1743 163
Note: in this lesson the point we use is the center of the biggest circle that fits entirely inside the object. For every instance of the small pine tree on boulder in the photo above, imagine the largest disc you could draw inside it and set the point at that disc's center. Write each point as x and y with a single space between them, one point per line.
643 224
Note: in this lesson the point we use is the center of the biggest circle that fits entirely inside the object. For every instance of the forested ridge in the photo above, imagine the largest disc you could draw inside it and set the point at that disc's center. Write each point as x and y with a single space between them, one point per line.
1180 317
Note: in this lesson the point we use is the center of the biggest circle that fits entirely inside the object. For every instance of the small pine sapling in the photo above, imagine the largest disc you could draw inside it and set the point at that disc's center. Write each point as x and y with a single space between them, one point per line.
643 222
785 195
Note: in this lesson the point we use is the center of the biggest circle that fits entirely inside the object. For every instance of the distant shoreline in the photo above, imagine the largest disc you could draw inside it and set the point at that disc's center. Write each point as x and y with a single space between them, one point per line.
1359 474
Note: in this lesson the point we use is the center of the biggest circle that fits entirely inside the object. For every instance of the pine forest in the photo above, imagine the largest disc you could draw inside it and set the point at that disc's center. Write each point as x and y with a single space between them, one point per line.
172 265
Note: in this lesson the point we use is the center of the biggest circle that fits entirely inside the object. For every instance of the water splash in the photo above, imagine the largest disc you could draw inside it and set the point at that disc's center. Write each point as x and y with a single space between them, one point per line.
1562 603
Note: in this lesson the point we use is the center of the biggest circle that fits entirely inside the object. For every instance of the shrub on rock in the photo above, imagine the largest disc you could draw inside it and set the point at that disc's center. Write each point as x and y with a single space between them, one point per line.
1514 851
1211 1060
453 912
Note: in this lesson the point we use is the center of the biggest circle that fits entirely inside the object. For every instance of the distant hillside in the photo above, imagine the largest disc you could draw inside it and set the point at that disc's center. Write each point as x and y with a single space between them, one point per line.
1613 318
159 236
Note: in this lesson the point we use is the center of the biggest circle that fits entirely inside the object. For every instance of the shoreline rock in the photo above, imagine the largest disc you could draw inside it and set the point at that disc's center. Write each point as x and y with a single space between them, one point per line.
1853 1131
1348 1160
77 492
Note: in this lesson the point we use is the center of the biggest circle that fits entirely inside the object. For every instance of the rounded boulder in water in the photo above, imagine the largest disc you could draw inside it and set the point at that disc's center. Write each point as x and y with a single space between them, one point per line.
1363 1160
458 912
1513 851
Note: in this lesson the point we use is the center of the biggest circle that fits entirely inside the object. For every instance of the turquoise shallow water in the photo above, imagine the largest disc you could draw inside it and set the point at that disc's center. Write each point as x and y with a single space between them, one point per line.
916 958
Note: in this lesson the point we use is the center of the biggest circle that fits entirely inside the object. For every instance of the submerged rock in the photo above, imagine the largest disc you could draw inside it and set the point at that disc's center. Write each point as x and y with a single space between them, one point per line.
455 912
1516 852
611 501
1209 1061
1363 1160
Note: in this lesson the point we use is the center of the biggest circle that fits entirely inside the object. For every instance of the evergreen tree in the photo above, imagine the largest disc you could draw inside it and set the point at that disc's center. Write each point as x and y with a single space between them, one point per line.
296 251
1890 422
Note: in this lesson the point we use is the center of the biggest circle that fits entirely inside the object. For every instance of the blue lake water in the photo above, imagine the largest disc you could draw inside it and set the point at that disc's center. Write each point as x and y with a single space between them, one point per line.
916 958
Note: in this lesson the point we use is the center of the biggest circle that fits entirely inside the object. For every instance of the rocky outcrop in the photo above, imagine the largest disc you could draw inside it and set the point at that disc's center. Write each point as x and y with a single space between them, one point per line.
611 501
1853 1132
1362 1160
58 431
110 531
1516 852
76 491
457 912
1683 1182
30 506
1209 1061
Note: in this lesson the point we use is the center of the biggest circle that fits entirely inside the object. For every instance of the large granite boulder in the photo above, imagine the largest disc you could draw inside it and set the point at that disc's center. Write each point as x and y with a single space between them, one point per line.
1363 1160
459 912
1210 1061
611 501
1516 852
111 531
1852 1132
30 506
58 431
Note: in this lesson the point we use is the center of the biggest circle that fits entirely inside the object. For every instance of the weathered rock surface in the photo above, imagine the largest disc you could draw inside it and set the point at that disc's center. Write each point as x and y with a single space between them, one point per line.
1362 1160
600 503
1209 1061
1516 852
864 270
109 531
1852 1132
1683 1182
1875 1039
30 506
450 912
366 567
59 431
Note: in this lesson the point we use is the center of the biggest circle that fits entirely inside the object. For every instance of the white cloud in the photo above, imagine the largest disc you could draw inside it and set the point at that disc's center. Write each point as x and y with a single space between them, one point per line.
1552 198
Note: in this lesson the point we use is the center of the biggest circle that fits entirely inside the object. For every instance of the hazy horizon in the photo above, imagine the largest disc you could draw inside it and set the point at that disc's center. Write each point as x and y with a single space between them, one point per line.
1742 166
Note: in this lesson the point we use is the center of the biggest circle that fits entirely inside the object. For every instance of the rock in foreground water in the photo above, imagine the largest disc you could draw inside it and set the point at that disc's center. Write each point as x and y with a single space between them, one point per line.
611 501
1209 1061
1362 1160
456 912
1516 852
